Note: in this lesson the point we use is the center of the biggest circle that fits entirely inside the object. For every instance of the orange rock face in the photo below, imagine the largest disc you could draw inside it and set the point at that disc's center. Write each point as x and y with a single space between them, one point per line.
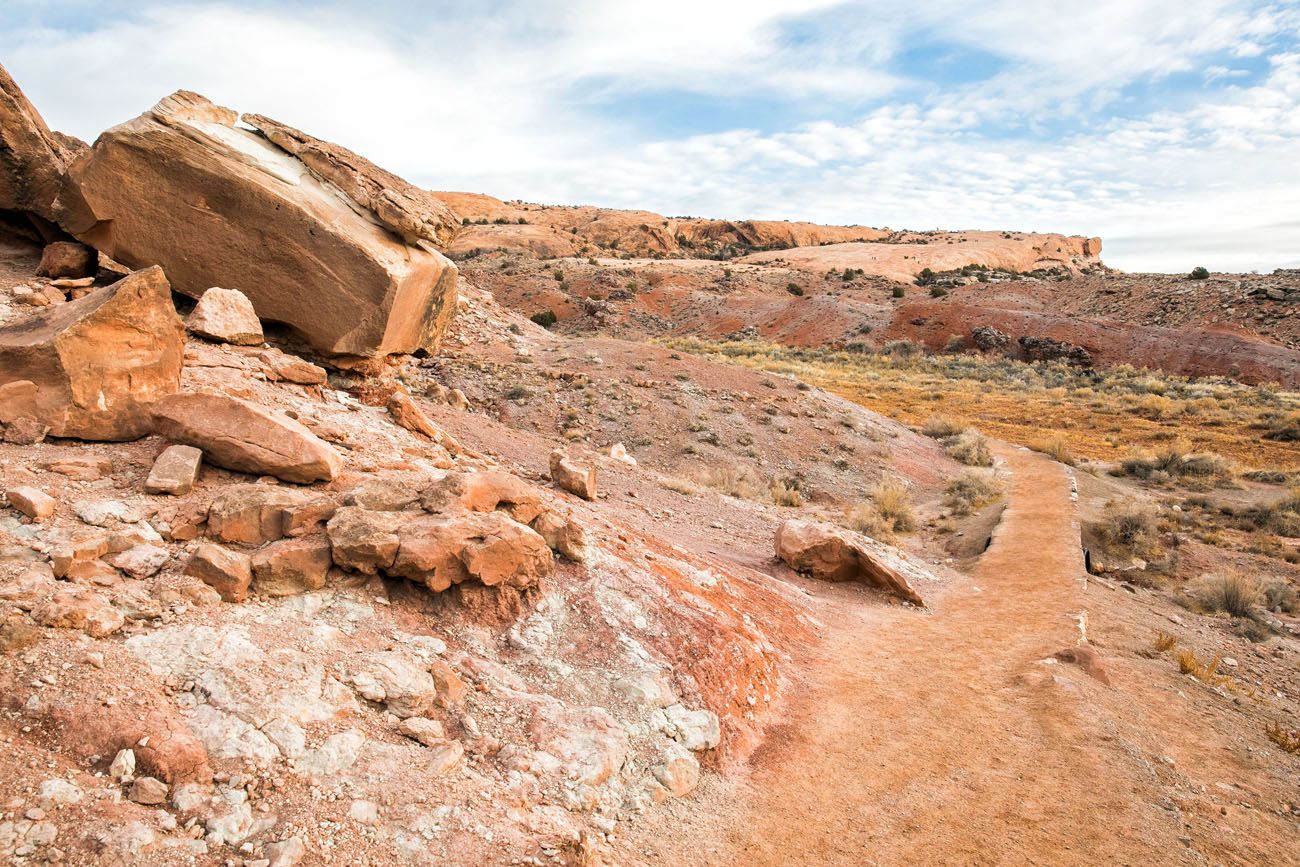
32 158
182 187
98 363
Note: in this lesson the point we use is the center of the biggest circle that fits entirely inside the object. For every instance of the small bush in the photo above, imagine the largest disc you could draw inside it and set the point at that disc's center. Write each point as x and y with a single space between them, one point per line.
731 480
546 318
970 448
894 504
1057 448
901 348
941 427
956 343
1199 273
794 289
1232 592
899 292
1286 738
970 491
1281 596
865 519
1164 642
1127 525
785 492
938 291
1206 672
518 394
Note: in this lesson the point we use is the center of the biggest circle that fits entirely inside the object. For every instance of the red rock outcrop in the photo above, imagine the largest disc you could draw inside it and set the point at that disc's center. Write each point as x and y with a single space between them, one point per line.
33 160
181 186
96 364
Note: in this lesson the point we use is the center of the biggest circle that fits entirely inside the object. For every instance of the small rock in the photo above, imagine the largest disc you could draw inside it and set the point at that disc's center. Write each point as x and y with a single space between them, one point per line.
228 572
572 477
292 566
444 757
451 689
149 791
123 765
618 452
140 561
427 731
68 259
226 316
174 471
286 853
33 503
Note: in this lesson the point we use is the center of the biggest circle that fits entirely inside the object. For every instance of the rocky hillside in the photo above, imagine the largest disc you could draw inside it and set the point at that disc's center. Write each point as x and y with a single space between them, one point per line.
311 552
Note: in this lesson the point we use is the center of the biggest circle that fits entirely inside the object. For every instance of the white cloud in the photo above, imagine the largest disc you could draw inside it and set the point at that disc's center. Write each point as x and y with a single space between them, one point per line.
508 98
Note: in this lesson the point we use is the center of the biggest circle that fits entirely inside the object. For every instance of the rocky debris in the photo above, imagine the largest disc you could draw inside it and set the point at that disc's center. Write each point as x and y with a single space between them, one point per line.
990 339
405 689
618 452
679 772
835 554
33 503
291 566
78 607
573 477
240 435
427 731
450 688
123 765
290 368
286 853
226 316
254 514
96 365
564 536
228 572
149 791
1050 349
68 260
589 743
25 431
81 468
408 415
174 471
693 729
183 187
140 561
33 160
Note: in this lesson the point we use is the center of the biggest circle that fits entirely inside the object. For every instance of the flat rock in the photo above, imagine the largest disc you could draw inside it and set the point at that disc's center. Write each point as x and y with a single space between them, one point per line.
228 572
33 503
96 364
243 436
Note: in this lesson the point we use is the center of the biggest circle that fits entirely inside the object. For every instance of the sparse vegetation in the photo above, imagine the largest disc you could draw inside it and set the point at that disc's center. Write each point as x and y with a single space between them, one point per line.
1206 672
1127 526
1231 592
970 448
785 492
1199 273
1164 642
970 491
1286 738
1057 448
545 318
894 503
865 519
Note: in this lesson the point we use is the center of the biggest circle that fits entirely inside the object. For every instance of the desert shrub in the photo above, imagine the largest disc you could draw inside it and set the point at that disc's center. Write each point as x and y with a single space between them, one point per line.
546 318
1286 738
785 492
1164 642
956 343
901 348
941 427
1281 596
794 289
1171 462
1232 592
1127 525
729 479
938 291
970 448
899 292
894 504
865 519
1206 672
1199 273
925 278
1281 517
1057 448
680 486
970 491
518 394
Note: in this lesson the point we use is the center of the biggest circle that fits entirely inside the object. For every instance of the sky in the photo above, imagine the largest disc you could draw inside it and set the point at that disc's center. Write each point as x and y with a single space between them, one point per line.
1170 128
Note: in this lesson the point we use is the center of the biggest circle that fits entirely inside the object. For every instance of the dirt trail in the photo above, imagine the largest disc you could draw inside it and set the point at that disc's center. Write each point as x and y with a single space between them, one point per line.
945 738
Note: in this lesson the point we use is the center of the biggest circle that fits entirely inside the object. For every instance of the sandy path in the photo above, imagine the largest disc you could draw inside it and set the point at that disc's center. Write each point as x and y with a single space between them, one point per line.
943 738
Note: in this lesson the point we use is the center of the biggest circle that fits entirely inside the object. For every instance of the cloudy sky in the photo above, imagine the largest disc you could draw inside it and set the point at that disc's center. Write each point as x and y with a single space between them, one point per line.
1171 128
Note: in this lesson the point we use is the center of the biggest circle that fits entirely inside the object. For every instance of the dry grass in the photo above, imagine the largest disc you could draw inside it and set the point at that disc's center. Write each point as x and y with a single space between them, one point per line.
970 448
863 518
731 480
894 503
1232 592
1057 448
1286 738
785 493
1205 672
941 427
1090 411
971 490
1164 641
1127 526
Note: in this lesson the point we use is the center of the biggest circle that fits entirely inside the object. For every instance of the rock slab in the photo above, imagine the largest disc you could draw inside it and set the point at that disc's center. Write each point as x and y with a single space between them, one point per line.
835 554
226 316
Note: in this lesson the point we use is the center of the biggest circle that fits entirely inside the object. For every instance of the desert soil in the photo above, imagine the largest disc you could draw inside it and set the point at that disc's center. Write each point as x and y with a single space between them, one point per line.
955 737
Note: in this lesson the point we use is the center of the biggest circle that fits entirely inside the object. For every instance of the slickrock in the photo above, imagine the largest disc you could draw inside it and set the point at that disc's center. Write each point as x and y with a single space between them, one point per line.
68 260
226 571
226 316
834 554
181 186
33 503
291 566
240 435
97 364
573 477
175 471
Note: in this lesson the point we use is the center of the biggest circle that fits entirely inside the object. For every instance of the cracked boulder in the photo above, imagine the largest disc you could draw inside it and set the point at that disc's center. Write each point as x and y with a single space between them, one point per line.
315 243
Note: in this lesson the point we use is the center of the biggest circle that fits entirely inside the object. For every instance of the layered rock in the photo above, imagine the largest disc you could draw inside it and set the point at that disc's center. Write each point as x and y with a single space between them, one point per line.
181 186
33 160
91 368
243 436
834 554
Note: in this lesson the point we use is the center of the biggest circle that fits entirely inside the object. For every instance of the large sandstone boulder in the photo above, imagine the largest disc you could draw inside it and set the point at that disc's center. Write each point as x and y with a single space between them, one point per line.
243 436
834 554
91 368
33 159
181 186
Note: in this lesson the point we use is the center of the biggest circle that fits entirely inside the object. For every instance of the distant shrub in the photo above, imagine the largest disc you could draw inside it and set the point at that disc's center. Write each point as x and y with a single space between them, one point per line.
546 318
971 490
925 278
1057 448
956 343
899 291
785 492
970 448
1232 592
942 427
1128 525
865 519
794 289
902 348
894 504
1199 273
938 291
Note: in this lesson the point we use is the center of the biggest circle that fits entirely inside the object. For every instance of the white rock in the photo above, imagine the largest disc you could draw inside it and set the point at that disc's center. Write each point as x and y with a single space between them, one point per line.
58 792
123 765
693 729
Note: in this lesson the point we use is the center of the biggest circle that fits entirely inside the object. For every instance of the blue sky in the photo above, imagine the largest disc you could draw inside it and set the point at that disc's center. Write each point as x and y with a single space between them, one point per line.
1171 128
